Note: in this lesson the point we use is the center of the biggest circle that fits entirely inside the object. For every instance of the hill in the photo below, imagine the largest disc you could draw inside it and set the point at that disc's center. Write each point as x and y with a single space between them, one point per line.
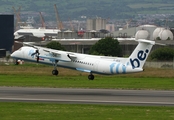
113 9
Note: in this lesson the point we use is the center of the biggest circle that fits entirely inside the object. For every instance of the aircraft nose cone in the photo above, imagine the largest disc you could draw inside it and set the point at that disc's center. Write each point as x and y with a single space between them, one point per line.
14 54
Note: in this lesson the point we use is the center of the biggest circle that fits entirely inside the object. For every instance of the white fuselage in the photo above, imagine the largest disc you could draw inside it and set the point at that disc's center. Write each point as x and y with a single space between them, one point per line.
87 63
81 62
36 32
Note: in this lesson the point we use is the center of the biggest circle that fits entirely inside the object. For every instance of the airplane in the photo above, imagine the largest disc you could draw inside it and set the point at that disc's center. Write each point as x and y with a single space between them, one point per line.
40 32
91 64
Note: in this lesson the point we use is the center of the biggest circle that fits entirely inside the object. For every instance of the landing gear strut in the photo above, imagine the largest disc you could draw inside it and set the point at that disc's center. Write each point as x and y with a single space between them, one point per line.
91 76
16 62
55 71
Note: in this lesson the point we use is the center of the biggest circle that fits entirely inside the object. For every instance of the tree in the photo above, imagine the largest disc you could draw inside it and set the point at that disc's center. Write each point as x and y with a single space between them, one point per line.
164 53
55 45
107 46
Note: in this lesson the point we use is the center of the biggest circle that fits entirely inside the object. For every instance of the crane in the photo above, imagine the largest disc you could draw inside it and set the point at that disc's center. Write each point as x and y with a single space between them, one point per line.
72 28
18 20
42 20
127 24
59 22
107 20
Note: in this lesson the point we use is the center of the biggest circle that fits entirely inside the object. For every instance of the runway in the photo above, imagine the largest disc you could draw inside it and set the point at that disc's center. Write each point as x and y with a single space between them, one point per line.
87 96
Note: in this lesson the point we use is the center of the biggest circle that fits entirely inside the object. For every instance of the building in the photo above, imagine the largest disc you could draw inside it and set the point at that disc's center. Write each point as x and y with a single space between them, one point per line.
95 24
110 27
81 44
6 32
131 32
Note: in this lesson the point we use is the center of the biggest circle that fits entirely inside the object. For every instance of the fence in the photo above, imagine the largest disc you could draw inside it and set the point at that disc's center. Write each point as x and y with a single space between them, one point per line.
152 64
159 64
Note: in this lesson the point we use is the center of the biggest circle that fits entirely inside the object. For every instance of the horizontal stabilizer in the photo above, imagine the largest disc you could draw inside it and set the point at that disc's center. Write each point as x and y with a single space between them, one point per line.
151 42
146 41
161 44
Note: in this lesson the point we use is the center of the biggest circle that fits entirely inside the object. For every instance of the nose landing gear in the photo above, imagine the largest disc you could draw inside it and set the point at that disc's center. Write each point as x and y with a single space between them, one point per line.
55 71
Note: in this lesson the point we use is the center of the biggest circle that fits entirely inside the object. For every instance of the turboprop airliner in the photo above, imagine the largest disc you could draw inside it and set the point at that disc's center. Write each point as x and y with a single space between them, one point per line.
40 33
87 63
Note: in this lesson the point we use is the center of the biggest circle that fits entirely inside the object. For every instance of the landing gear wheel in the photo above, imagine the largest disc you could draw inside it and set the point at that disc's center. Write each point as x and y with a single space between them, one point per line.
91 77
55 72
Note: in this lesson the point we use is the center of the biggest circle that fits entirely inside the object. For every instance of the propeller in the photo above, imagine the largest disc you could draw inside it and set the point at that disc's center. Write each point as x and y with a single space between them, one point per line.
37 55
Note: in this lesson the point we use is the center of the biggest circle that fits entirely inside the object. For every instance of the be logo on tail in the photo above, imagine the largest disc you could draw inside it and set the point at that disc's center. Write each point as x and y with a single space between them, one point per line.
141 56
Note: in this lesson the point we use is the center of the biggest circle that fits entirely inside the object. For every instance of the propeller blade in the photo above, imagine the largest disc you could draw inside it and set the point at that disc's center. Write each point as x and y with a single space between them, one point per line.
37 55
36 52
33 54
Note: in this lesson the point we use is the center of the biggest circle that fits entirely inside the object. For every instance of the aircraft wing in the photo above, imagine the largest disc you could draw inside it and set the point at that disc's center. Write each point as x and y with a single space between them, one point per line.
53 59
56 55
72 56
18 36
30 44
52 54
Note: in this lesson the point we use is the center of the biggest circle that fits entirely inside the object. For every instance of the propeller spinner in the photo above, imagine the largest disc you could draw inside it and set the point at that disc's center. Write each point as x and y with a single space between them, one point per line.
37 55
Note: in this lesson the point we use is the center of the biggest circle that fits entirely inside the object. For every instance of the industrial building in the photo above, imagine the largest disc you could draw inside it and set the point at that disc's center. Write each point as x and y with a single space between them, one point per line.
6 34
81 43
150 32
95 24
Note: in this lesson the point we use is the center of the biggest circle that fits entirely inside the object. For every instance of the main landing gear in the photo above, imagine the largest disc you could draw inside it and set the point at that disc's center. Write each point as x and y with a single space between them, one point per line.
55 71
91 76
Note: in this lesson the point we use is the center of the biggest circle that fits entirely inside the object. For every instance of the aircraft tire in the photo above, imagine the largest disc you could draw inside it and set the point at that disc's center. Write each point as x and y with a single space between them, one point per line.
55 72
91 77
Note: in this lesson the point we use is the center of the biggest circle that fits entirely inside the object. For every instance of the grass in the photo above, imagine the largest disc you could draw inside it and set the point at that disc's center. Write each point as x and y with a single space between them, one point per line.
83 82
40 76
33 75
51 111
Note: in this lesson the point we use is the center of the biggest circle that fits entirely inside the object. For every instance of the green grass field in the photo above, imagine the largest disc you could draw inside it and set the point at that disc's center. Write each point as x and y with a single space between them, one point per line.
36 75
51 111
82 82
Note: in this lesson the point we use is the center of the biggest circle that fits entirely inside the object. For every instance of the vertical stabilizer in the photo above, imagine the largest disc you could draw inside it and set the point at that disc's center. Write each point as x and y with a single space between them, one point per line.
140 54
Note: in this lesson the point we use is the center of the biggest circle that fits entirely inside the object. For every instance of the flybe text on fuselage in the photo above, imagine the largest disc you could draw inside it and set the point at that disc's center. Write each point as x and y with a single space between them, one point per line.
117 67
